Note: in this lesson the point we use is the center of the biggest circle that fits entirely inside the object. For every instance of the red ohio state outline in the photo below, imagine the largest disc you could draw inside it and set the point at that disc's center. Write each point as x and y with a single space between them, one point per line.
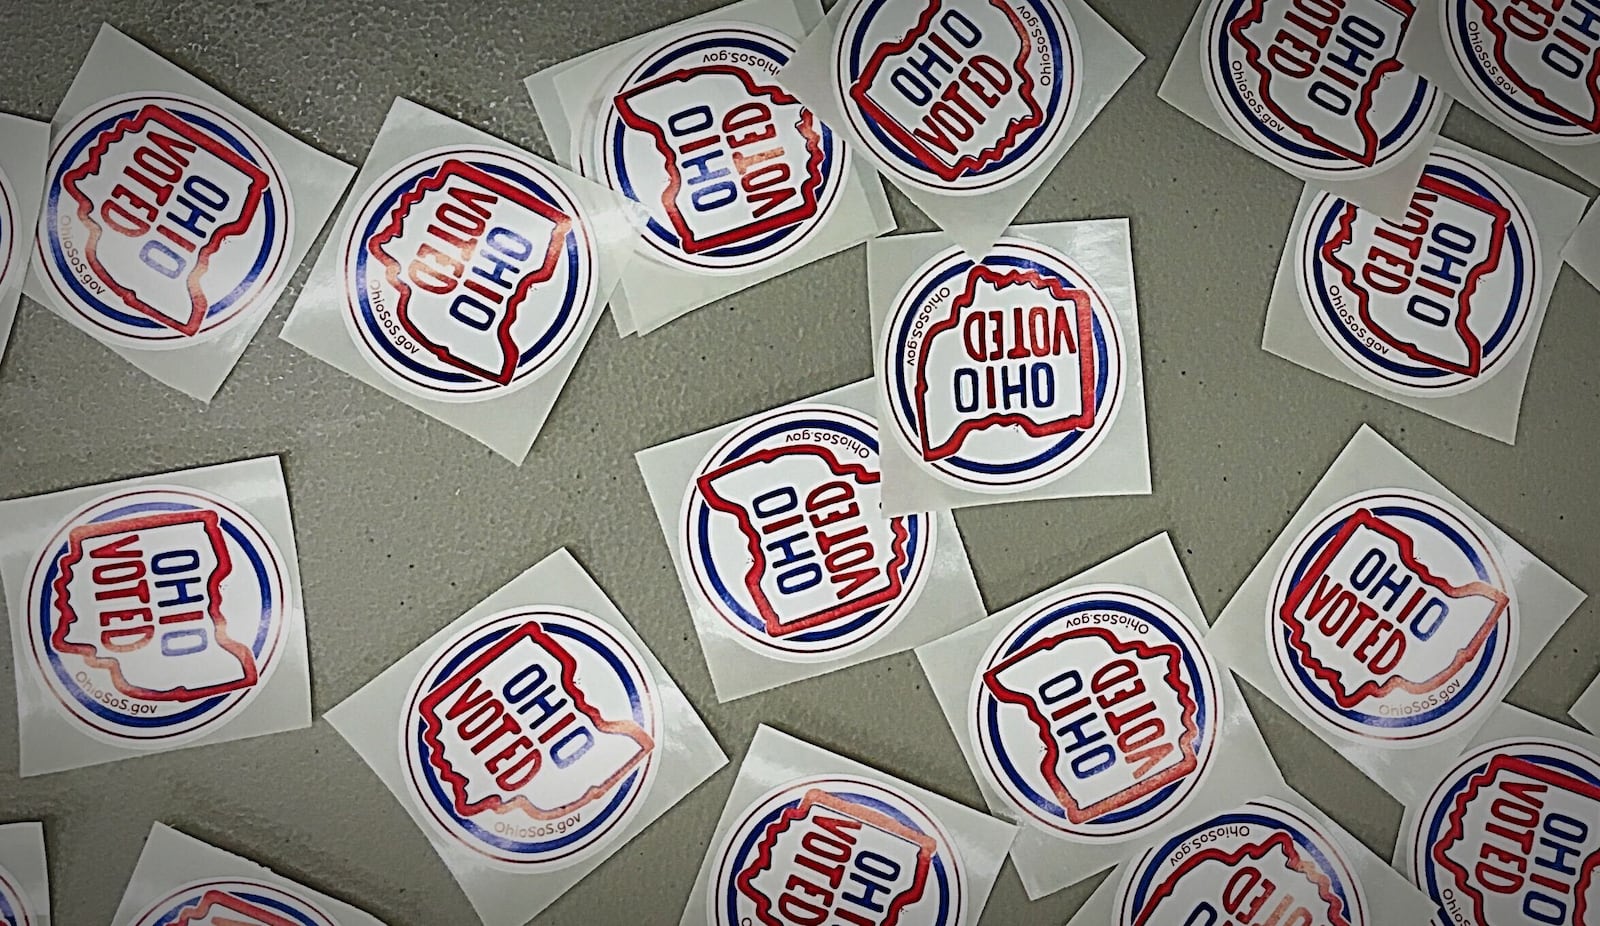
1085 316
198 304
1457 827
1255 851
776 625
1374 689
1363 110
1052 752
1496 29
926 845
1501 217
967 162
203 913
209 522
432 727
806 126
460 170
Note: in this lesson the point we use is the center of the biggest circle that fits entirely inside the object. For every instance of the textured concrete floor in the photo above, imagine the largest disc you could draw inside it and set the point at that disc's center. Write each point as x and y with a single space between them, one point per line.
403 523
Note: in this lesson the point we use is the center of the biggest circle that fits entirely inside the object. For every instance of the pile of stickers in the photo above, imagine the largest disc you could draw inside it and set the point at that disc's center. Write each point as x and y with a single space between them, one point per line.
533 736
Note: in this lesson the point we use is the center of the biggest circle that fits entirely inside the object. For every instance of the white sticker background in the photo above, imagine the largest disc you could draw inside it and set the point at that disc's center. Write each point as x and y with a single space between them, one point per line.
1426 50
1544 600
948 597
24 875
1047 860
1493 406
506 423
1587 708
53 742
1119 465
1508 722
1386 190
775 759
653 293
1583 248
117 65
686 752
1389 898
975 220
172 861
24 145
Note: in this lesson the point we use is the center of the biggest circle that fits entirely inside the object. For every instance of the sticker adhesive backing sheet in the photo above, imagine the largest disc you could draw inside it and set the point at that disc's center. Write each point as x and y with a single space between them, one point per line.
1031 695
737 182
1389 617
1587 709
808 836
1322 95
530 739
181 880
965 105
788 565
24 145
24 875
1438 310
1275 854
1510 834
154 614
1583 248
1528 67
172 217
1013 378
474 315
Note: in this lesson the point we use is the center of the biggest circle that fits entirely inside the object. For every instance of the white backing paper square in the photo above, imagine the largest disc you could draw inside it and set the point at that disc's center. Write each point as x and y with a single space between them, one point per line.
942 854
1385 185
177 871
1387 899
503 407
655 291
1420 737
684 752
912 277
309 184
1427 49
161 538
1587 708
24 875
1583 248
1510 828
1234 766
24 144
935 595
1522 269
1103 60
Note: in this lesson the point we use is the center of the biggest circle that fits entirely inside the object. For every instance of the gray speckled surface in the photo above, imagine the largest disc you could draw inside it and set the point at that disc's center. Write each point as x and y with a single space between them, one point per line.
403 523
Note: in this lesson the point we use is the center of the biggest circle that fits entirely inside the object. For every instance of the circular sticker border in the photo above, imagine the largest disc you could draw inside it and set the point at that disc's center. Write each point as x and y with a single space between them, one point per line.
1141 869
1432 809
694 518
1344 345
582 259
1520 120
1395 147
721 902
486 631
1066 45
1110 344
277 580
20 914
1316 535
165 912
609 137
243 307
1150 812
